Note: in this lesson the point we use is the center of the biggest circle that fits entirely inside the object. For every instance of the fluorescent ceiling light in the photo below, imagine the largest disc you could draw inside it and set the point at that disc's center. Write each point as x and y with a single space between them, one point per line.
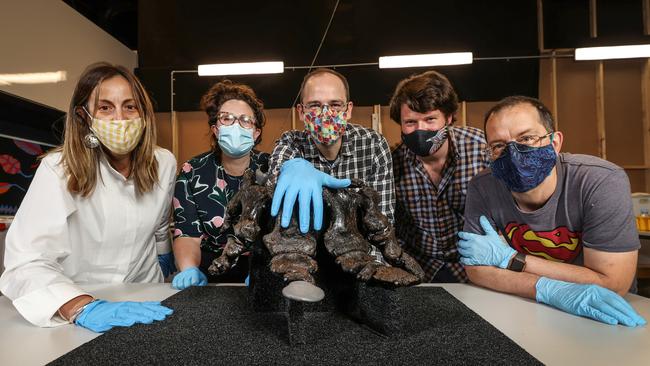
33 78
242 68
614 52
432 59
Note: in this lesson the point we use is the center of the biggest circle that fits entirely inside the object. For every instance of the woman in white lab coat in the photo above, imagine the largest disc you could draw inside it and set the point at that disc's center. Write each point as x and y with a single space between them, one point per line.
97 210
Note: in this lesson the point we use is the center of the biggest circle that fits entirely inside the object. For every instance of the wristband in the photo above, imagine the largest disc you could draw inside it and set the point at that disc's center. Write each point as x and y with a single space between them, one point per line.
76 313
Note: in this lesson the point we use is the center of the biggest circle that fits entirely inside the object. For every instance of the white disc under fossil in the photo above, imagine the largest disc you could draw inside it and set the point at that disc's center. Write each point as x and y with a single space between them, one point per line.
303 291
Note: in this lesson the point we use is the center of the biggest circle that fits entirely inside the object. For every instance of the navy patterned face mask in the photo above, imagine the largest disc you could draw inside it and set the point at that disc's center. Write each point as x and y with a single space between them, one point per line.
523 167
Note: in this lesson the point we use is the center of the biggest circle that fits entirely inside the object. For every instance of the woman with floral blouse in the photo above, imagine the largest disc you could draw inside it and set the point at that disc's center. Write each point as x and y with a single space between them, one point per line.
208 181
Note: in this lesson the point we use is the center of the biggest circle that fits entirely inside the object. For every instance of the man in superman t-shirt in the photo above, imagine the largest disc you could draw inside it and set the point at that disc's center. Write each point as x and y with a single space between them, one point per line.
550 226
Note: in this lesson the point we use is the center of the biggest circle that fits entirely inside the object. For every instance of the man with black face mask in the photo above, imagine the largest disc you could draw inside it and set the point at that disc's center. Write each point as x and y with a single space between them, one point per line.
568 235
432 169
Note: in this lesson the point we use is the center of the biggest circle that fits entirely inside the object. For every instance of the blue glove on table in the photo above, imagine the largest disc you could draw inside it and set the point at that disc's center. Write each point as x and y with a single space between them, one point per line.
101 315
591 301
167 264
191 276
299 179
484 250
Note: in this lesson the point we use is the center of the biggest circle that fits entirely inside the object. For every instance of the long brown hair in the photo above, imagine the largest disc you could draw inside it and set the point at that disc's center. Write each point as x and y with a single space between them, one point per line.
80 163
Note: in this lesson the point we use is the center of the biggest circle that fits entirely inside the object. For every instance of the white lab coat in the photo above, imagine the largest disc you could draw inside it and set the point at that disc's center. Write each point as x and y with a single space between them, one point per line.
58 240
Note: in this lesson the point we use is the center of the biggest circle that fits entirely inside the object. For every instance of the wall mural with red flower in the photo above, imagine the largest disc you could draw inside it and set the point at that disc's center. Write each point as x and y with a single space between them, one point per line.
18 163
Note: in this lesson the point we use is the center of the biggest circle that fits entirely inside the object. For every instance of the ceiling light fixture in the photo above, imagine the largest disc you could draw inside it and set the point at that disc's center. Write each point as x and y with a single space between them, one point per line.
613 52
242 68
33 78
432 59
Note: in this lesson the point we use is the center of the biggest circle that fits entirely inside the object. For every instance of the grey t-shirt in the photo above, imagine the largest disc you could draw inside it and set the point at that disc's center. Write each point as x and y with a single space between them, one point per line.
591 207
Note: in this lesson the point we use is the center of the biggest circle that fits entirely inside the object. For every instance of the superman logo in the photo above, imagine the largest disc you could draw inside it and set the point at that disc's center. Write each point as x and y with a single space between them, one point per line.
560 244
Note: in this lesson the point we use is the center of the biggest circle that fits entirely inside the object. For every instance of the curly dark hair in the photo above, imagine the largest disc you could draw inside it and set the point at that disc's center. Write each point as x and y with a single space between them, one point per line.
423 93
224 91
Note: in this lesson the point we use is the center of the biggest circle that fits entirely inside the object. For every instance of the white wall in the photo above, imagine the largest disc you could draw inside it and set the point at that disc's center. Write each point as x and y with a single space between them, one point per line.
48 35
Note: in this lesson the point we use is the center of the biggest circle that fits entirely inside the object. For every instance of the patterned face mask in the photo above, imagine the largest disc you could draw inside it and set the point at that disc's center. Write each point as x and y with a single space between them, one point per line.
119 136
327 126
425 142
522 168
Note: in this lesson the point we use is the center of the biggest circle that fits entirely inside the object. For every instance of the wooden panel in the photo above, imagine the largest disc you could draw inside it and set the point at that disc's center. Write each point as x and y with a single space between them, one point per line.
637 180
277 122
390 129
545 81
623 111
600 109
547 84
577 106
645 107
194 134
164 127
476 113
461 116
362 115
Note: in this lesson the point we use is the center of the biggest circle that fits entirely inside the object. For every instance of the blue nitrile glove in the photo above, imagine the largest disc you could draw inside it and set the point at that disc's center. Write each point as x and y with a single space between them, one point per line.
591 301
167 264
484 250
191 276
101 315
299 179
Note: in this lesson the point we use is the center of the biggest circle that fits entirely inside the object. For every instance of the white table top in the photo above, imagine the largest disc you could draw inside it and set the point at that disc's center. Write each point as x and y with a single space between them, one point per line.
553 337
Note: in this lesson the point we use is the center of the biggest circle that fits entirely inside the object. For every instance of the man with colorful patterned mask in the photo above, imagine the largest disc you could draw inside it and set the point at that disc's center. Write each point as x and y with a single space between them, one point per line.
325 123
328 152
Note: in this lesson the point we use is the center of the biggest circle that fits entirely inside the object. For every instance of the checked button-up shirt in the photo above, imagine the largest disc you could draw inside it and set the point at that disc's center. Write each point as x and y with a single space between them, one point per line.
364 155
428 217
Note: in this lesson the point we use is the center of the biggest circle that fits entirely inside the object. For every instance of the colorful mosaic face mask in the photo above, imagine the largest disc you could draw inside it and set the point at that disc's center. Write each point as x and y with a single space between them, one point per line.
326 126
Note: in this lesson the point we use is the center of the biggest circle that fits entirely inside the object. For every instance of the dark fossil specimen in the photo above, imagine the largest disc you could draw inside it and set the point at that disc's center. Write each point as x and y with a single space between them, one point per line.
355 222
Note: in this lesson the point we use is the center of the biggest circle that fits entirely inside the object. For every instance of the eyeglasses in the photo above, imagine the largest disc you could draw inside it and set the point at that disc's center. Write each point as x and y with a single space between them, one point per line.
336 105
522 144
227 119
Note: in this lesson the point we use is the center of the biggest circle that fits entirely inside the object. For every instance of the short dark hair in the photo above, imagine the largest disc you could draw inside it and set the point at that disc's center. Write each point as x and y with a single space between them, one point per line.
423 93
323 70
224 91
545 116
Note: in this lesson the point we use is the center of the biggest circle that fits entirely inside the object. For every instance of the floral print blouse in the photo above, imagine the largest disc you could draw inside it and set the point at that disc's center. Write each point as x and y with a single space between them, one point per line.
202 191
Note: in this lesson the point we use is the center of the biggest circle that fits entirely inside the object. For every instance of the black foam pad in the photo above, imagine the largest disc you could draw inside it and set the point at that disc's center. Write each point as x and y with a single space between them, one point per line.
217 326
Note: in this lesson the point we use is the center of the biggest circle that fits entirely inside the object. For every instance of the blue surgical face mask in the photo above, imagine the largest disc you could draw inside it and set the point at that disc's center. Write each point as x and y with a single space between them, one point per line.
522 168
236 141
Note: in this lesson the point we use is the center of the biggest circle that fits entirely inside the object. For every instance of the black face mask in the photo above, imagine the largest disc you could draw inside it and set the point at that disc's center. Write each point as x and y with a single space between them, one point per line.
425 142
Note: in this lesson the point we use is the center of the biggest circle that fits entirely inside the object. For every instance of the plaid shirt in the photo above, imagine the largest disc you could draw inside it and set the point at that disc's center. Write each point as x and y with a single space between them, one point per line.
428 218
364 155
